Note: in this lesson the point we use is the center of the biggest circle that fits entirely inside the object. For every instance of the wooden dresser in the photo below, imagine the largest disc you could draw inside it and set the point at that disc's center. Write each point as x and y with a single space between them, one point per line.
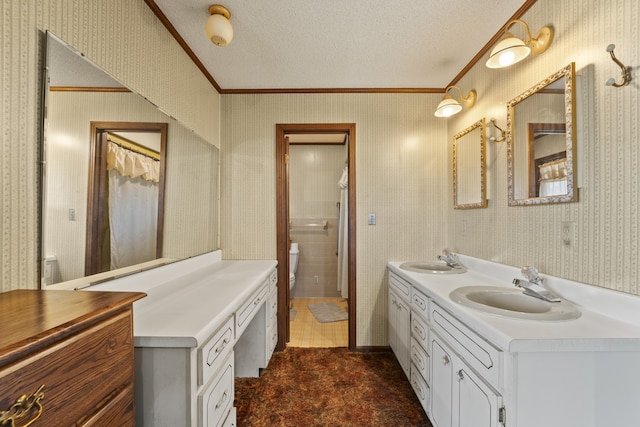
67 358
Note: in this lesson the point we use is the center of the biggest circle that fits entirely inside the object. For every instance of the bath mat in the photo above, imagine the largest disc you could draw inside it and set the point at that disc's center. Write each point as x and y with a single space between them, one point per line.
292 314
326 312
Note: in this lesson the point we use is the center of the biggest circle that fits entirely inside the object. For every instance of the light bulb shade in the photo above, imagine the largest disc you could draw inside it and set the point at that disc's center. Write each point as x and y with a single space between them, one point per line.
219 30
507 52
448 107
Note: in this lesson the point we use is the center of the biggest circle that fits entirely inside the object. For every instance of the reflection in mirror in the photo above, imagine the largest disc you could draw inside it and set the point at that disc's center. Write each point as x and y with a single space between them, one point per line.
83 106
541 142
469 167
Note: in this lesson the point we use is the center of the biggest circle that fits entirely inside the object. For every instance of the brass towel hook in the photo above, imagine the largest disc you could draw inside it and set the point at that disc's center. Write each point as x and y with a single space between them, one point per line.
503 134
626 71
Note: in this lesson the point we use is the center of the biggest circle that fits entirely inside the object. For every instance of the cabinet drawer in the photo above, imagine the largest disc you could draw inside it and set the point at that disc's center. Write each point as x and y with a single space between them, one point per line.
420 331
216 401
273 279
420 359
249 308
421 389
71 369
401 286
272 305
214 351
420 303
477 352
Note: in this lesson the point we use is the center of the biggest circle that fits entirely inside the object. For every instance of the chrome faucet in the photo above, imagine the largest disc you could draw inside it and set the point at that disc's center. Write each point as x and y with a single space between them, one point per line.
450 259
533 286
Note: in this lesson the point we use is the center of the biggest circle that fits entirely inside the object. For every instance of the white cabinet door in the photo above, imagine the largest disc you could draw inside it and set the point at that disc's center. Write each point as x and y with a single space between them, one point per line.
477 404
441 385
400 330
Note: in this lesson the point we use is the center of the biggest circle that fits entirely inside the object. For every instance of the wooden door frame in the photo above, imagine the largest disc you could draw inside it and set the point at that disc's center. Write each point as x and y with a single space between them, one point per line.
282 215
97 185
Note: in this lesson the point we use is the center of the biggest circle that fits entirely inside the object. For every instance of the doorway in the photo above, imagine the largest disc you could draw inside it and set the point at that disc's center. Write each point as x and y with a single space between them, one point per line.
125 208
309 131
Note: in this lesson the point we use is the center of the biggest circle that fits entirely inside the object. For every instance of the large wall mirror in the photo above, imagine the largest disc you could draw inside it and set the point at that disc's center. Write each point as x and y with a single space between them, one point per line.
125 187
541 142
469 167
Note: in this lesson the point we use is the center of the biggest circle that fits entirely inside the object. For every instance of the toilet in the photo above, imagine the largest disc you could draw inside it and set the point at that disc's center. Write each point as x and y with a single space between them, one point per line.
293 265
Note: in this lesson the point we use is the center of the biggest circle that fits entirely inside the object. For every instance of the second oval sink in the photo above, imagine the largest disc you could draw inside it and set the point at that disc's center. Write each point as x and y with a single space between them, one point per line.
431 268
513 303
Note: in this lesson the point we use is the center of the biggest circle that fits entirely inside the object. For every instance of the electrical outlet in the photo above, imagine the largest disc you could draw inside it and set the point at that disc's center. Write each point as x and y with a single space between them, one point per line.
568 233
371 218
316 280
72 214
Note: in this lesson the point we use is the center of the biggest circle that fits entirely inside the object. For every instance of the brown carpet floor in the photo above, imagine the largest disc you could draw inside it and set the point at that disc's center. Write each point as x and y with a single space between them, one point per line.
328 387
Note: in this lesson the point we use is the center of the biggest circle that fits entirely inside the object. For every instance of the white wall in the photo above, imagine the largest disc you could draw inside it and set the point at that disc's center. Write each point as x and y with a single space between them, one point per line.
401 175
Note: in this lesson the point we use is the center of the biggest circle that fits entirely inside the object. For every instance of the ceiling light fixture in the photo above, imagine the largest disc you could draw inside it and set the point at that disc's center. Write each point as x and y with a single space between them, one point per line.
218 28
450 106
511 49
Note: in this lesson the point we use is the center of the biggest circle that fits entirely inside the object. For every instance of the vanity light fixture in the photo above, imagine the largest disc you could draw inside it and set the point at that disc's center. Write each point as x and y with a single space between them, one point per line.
503 133
450 106
511 49
626 71
218 28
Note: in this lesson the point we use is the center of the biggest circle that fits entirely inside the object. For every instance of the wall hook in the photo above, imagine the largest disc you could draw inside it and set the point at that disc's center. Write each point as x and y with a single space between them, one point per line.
626 71
503 134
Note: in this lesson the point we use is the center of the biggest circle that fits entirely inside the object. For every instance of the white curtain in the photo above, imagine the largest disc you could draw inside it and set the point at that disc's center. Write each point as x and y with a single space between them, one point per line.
343 233
133 213
553 178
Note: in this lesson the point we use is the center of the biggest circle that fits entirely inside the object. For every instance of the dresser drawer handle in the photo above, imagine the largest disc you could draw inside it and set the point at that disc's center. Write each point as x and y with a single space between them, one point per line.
24 405
222 400
217 351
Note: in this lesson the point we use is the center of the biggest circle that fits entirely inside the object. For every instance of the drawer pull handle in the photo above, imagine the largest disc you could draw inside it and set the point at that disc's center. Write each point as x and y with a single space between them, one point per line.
417 387
417 358
24 405
460 375
222 400
217 351
445 360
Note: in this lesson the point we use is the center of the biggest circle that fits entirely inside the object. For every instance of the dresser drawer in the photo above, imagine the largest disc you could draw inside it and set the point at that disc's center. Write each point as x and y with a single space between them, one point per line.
118 412
420 331
422 390
273 279
249 308
420 359
213 352
214 404
420 303
401 286
80 374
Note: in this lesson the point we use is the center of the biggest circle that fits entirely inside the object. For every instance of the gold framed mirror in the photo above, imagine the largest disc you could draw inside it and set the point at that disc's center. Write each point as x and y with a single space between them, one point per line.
541 142
470 167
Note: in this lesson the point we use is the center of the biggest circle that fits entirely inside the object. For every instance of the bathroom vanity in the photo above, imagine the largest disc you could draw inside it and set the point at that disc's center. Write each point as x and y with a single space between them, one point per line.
517 365
204 322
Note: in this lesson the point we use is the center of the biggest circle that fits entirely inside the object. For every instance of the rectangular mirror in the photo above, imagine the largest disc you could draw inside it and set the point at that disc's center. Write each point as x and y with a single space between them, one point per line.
541 143
125 187
470 167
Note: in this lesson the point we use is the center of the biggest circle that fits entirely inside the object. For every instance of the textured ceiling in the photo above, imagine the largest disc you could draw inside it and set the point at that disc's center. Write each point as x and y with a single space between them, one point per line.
340 44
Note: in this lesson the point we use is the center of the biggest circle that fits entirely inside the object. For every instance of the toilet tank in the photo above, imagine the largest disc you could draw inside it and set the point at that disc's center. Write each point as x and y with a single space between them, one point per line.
294 253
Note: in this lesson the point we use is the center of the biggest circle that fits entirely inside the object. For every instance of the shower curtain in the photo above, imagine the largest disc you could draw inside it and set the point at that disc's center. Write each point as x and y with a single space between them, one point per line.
343 234
133 206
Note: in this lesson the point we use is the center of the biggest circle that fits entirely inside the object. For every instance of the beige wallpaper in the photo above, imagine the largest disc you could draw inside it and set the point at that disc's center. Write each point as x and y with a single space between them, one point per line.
402 176
606 219
126 39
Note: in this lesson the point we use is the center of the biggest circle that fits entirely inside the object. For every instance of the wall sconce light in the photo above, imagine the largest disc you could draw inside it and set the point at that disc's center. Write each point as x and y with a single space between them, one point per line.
218 28
511 49
450 106
626 71
503 133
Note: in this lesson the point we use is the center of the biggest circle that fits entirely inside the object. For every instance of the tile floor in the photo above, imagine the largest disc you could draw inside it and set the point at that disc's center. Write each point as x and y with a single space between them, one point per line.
306 331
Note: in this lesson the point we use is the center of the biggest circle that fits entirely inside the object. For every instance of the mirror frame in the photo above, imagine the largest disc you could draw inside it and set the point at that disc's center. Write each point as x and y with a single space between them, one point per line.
483 166
568 73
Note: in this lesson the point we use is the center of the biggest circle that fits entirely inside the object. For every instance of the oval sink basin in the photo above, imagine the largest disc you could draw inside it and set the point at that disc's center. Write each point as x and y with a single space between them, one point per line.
513 303
433 267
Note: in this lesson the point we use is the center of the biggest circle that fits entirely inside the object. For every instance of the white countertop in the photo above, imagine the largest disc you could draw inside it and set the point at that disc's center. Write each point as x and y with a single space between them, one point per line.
610 320
186 301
